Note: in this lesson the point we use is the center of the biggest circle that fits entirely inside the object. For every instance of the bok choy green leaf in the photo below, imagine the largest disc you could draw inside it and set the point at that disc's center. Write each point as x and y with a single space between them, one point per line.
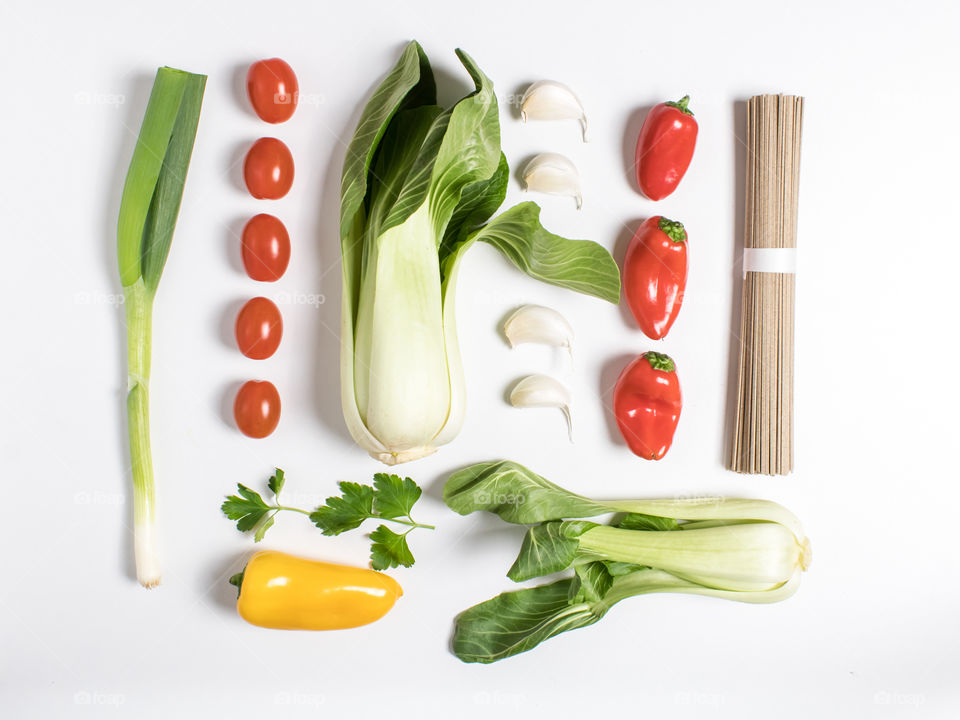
747 550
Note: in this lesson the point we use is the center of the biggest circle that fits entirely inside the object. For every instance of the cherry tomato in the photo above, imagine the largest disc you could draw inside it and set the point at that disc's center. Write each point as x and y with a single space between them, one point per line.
273 90
266 248
257 408
268 169
259 328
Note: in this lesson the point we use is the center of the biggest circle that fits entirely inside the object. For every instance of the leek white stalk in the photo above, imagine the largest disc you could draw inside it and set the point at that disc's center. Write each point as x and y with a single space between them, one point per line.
551 100
543 391
420 184
553 174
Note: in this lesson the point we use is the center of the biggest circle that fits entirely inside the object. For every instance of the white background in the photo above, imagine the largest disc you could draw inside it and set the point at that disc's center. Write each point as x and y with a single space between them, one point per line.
873 631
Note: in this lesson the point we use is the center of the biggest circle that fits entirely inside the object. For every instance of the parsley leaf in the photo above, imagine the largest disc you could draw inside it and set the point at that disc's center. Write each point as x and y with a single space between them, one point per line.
394 497
346 512
247 508
263 527
390 498
275 483
389 549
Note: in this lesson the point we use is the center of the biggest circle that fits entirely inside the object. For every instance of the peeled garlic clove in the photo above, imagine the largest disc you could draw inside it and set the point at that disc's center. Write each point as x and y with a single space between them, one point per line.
539 391
550 100
539 324
553 174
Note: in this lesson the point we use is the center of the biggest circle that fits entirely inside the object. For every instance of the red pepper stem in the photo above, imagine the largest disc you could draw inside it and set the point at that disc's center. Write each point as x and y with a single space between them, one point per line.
659 361
673 230
681 105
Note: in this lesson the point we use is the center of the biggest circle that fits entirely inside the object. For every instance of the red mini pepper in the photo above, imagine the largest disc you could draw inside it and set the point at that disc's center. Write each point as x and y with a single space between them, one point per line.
655 274
665 148
647 403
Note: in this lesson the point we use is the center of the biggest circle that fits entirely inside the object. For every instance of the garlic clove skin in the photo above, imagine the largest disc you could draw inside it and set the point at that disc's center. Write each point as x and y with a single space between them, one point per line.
551 100
539 324
542 391
553 174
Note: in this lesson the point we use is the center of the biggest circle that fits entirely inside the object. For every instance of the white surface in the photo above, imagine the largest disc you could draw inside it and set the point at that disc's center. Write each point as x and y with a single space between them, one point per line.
873 631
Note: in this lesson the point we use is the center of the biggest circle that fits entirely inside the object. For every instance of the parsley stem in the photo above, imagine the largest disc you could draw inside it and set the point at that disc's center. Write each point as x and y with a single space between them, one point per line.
286 507
411 523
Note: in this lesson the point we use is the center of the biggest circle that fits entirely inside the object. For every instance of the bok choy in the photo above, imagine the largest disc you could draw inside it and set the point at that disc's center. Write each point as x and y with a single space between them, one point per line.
420 183
148 214
747 550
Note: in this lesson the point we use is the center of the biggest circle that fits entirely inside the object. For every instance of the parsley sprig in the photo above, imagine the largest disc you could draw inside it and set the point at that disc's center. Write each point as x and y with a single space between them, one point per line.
390 498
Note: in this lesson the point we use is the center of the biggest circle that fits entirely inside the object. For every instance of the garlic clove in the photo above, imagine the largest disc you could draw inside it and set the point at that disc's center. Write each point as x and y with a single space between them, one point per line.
553 174
551 100
540 391
539 324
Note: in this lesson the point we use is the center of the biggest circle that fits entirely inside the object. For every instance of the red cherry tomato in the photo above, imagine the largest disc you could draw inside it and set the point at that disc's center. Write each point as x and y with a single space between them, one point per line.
655 274
259 328
647 404
268 169
257 408
266 248
665 148
273 90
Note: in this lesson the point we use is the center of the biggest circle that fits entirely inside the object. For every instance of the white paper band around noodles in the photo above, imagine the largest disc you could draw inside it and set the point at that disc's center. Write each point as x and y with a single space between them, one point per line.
772 260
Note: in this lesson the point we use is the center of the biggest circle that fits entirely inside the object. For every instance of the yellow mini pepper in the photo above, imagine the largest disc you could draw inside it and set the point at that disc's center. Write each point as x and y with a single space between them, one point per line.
284 592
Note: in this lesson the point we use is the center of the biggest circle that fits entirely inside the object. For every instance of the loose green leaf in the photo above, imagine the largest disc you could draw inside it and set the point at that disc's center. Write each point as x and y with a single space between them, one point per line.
639 521
345 512
393 497
515 622
592 581
548 548
515 493
616 569
263 527
580 265
247 508
276 481
389 549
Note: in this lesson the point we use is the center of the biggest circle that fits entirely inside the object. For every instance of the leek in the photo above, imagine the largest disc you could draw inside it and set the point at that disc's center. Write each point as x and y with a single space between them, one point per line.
148 214
747 550
419 185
